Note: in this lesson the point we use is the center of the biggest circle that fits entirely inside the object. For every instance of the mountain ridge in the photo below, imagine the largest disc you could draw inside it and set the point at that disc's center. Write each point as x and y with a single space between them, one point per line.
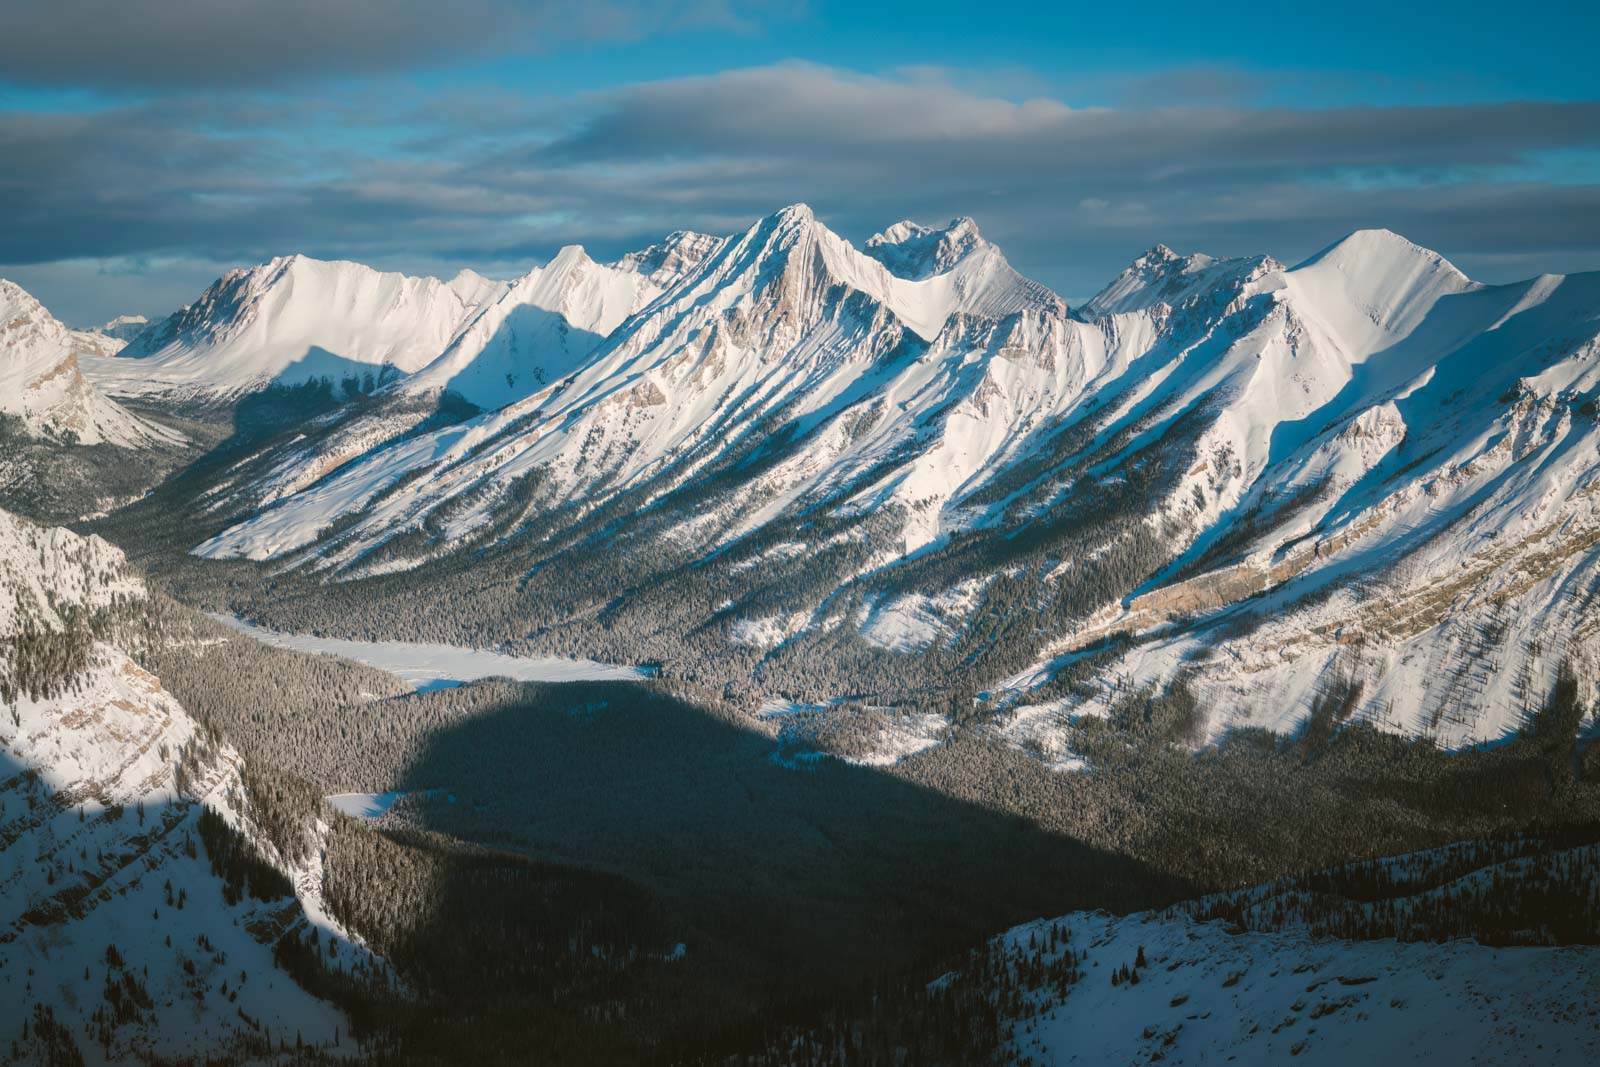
1202 433
42 385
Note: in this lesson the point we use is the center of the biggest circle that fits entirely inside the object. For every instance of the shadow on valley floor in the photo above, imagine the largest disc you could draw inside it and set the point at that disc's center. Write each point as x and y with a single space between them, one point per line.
783 882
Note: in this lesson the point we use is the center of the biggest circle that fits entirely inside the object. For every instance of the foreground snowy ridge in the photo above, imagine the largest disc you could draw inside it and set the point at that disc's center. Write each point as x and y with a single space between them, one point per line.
1207 995
116 925
1193 985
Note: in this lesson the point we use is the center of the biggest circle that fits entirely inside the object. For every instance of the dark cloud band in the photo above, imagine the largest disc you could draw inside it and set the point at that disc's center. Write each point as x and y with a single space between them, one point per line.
228 43
1071 194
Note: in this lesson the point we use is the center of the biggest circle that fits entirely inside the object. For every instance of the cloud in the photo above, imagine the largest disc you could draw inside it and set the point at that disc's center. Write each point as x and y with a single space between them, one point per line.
1071 193
168 43
796 109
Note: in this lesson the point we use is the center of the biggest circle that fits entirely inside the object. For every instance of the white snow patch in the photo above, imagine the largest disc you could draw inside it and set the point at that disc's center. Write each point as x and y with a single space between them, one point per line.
426 665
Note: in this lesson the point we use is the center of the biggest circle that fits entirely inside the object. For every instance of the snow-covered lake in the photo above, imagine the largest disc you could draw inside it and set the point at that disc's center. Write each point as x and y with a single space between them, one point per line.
372 805
427 666
364 805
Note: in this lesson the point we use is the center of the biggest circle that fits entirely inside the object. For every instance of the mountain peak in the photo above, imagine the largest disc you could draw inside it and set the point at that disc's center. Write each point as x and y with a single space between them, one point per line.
40 381
1373 286
1366 250
670 259
1160 253
914 252
1162 276
124 327
569 256
15 301
796 214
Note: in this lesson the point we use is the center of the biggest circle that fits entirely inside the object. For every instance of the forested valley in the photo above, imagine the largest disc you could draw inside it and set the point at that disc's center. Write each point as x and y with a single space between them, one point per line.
764 901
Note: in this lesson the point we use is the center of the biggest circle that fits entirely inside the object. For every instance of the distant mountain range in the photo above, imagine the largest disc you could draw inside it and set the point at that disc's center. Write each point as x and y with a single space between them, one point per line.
1364 484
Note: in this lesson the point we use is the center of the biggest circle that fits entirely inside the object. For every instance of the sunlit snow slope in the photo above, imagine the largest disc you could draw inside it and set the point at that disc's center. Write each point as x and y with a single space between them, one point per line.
42 386
1365 472
1211 994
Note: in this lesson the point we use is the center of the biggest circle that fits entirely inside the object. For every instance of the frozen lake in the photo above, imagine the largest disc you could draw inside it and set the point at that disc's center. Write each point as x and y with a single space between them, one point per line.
372 805
364 805
427 666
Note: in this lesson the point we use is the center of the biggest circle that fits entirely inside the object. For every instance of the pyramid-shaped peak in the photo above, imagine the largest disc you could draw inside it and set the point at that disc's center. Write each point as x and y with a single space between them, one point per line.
14 299
569 256
794 213
1378 250
784 228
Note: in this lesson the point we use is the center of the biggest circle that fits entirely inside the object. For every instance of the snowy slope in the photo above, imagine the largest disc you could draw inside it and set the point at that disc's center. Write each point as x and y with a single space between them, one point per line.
1367 468
289 321
42 385
49 573
1396 959
123 328
99 844
541 328
1208 995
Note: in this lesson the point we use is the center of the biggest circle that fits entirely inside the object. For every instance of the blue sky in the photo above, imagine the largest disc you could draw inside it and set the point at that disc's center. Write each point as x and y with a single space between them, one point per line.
1307 54
146 146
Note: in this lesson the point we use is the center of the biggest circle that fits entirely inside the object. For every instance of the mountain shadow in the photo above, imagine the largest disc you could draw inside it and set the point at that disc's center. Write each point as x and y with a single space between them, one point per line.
785 880
530 349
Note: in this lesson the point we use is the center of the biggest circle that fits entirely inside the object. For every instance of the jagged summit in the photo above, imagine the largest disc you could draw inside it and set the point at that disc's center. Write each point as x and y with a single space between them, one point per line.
915 252
667 261
1162 276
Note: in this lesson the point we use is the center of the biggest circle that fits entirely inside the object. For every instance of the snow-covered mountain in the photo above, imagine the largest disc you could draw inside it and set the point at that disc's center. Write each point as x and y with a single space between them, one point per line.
542 328
41 383
298 319
123 328
293 320
1402 473
785 320
1365 473
118 931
